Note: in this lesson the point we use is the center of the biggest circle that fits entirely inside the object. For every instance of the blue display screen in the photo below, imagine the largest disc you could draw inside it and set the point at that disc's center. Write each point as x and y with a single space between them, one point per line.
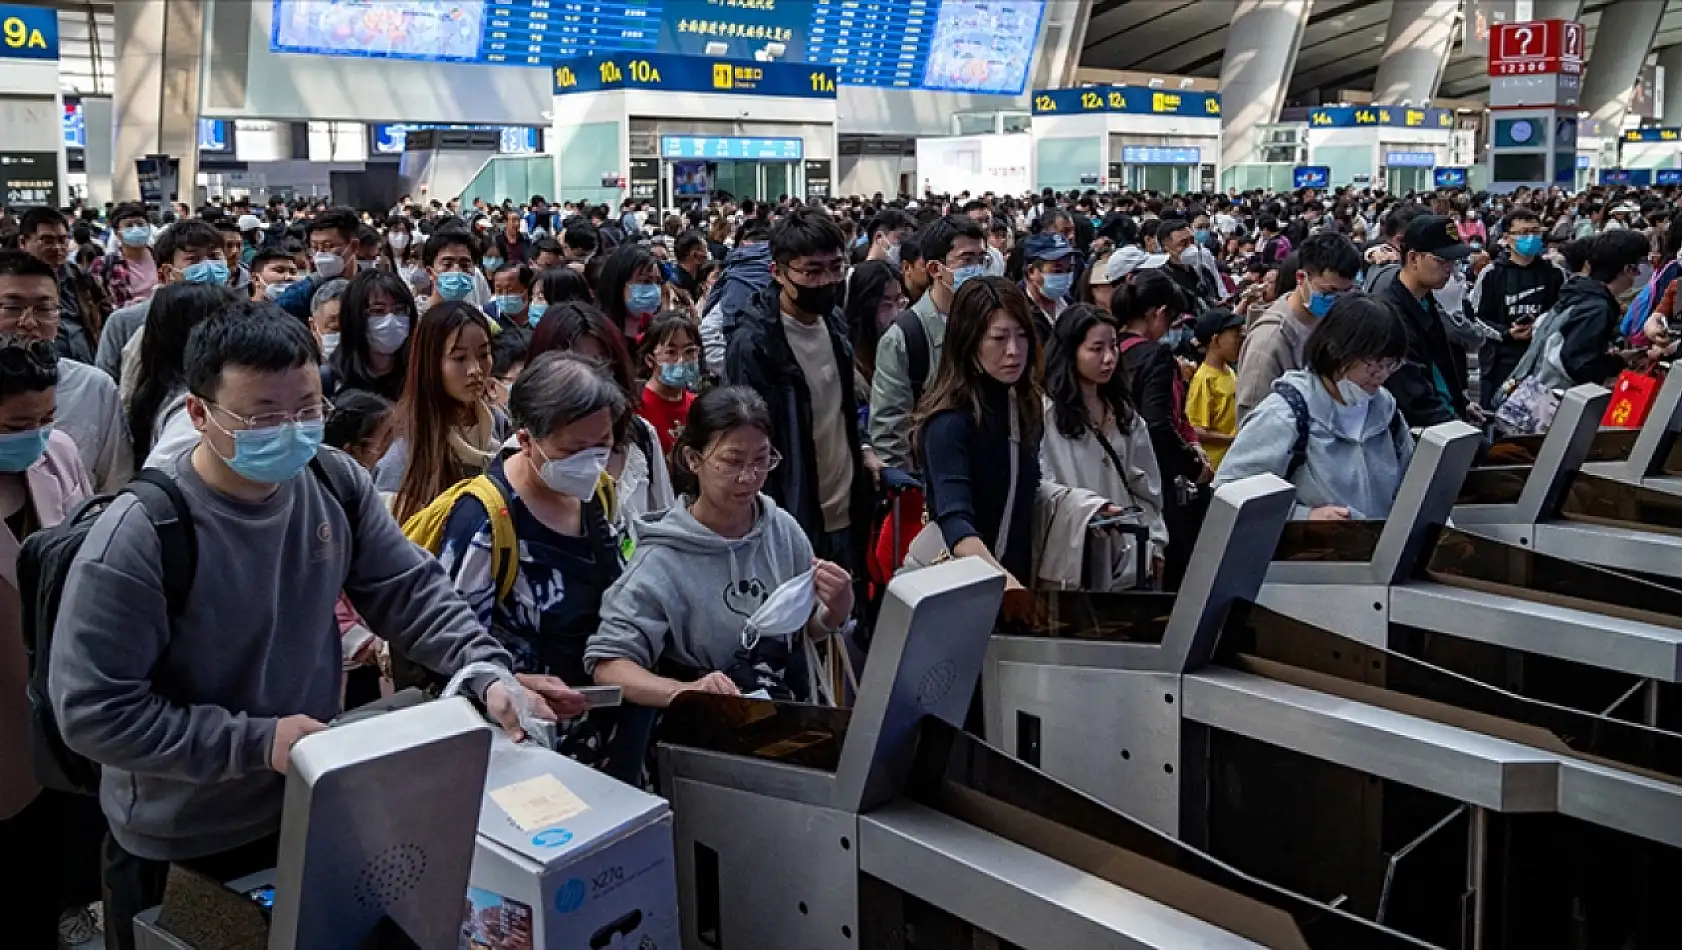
713 147
213 135
1311 176
1161 155
1411 159
75 126
982 46
390 138
1666 177
1449 177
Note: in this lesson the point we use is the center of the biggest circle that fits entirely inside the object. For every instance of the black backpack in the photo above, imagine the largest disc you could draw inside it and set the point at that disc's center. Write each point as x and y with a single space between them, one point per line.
44 567
916 352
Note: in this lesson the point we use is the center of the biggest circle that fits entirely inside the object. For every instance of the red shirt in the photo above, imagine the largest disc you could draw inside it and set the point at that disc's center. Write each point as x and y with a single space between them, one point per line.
667 416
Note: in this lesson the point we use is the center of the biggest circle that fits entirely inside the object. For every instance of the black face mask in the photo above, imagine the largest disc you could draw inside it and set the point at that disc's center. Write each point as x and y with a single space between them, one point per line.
817 300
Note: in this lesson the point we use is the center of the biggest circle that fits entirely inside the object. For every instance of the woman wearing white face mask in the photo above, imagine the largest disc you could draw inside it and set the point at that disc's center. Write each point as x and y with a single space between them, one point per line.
542 597
1333 429
376 316
400 255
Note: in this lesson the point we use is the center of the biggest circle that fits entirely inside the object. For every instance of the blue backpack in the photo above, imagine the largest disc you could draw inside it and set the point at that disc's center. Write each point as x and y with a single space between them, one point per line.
1642 306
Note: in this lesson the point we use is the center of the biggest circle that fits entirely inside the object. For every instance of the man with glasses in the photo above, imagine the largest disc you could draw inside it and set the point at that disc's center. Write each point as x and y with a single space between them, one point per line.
82 307
791 348
1430 386
1511 293
193 717
334 246
89 410
1275 344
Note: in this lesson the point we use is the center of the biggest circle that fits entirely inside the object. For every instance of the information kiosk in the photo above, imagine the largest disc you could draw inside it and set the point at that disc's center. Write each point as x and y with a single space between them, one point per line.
672 130
1126 137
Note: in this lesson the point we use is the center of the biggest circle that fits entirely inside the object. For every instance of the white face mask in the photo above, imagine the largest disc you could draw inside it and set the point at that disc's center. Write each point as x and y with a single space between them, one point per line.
577 474
329 266
399 240
329 343
1352 394
387 333
784 612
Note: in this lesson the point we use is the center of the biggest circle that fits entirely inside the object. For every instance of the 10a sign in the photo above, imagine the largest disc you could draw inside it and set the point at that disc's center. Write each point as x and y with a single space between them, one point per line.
1536 47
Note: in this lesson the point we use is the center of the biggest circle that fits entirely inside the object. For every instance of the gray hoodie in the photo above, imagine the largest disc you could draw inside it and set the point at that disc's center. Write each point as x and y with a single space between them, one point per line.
687 592
1273 346
1360 472
181 714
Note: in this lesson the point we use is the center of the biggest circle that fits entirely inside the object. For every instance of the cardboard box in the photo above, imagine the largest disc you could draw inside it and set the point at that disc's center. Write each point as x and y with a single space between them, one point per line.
601 876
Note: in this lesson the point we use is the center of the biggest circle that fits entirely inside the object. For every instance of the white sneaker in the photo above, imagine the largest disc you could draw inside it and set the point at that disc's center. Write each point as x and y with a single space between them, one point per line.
79 928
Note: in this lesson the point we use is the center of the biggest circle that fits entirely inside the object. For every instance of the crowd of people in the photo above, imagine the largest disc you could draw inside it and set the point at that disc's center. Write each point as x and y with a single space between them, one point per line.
679 452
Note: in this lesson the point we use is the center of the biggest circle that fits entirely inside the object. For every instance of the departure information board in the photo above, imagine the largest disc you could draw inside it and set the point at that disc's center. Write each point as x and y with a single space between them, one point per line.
983 46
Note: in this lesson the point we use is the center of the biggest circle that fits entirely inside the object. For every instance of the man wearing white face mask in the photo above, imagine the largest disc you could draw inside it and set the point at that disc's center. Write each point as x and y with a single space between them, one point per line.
335 246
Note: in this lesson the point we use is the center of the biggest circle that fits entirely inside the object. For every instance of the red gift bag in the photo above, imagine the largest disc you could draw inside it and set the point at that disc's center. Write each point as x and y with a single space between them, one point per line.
1632 397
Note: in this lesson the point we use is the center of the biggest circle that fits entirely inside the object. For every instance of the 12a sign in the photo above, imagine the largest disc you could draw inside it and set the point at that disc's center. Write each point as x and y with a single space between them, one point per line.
1536 47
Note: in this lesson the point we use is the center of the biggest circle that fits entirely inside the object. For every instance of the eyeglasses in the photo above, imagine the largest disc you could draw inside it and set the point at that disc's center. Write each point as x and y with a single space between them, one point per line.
674 353
1381 367
740 470
40 313
967 260
821 274
268 420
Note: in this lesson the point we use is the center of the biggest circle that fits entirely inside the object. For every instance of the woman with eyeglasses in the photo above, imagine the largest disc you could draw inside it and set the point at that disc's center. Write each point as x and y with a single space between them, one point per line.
702 604
449 430
1333 430
41 481
376 315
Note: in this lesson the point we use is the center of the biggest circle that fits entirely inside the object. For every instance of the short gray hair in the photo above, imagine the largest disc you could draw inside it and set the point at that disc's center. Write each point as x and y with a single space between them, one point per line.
327 293
560 388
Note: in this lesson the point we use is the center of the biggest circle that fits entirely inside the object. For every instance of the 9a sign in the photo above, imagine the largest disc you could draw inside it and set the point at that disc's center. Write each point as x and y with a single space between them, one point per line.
28 32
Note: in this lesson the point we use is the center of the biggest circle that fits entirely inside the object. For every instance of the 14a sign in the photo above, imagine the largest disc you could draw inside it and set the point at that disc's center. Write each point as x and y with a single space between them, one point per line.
1537 47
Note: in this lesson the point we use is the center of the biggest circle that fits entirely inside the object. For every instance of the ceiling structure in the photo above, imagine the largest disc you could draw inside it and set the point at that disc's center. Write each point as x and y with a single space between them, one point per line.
1340 48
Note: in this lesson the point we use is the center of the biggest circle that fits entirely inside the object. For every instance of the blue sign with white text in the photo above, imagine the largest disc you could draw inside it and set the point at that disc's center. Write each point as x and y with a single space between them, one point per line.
1449 178
740 149
1126 100
1410 159
213 135
1667 177
1639 177
1583 161
28 32
1161 155
693 74
1354 117
1311 176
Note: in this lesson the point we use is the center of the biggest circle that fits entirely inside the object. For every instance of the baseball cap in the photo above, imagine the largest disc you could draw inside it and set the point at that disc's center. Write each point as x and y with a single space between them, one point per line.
1046 246
248 222
1100 271
1211 322
1435 234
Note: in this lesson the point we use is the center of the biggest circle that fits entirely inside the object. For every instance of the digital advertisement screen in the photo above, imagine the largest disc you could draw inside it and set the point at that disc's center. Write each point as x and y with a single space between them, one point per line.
977 46
75 126
391 138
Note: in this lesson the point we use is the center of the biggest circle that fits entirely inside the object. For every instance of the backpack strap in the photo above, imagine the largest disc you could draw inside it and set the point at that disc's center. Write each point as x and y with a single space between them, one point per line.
916 351
1299 409
505 547
167 509
1398 430
342 487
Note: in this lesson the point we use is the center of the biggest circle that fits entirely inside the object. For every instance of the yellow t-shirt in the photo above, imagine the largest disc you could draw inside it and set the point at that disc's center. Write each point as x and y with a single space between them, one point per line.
1212 403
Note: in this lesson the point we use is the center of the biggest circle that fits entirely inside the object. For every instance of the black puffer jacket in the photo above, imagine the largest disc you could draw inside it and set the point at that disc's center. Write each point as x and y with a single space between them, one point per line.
1588 322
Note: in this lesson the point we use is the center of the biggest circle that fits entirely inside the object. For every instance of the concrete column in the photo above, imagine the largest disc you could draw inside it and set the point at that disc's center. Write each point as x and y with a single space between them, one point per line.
1670 59
1556 9
1261 55
155 108
1416 47
1621 44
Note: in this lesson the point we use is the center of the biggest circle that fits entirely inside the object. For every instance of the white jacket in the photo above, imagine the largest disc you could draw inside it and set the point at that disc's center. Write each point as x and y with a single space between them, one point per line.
1083 463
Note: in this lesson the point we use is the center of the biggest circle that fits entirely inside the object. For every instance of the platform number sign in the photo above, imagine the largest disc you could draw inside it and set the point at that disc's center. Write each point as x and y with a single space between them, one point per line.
28 32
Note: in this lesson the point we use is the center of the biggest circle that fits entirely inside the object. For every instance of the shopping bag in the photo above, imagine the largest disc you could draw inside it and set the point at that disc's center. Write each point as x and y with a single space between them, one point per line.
1528 410
1632 398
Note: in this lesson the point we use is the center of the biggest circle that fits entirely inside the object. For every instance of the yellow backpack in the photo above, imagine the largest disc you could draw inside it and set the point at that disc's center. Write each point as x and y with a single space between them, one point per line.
426 528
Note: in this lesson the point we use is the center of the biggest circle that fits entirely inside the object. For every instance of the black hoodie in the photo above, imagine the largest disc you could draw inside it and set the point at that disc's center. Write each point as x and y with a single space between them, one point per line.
1511 293
1589 324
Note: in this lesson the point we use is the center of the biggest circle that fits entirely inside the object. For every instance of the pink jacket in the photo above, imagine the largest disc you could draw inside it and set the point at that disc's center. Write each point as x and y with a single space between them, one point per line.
56 484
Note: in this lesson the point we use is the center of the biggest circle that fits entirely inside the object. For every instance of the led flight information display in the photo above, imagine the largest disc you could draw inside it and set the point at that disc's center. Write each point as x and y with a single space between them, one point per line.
984 46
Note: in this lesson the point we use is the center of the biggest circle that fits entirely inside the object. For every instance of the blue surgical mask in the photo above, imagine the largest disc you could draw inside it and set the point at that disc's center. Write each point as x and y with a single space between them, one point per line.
536 308
19 450
137 236
1529 245
681 375
510 303
492 263
645 298
206 272
1320 304
1201 235
273 454
1057 285
965 273
454 285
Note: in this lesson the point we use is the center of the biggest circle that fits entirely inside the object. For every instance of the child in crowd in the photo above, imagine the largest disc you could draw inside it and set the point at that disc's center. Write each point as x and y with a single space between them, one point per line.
671 355
1212 401
361 426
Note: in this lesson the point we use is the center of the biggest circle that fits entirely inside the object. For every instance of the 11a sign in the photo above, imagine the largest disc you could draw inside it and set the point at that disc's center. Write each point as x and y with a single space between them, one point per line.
1536 47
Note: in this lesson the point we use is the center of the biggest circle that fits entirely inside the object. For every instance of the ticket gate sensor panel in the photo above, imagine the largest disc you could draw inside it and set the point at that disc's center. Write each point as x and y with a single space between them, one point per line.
886 826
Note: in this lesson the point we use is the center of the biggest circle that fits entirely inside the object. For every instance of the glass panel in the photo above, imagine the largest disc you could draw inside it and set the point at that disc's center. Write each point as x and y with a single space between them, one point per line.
779 180
1592 498
790 733
1609 445
1345 161
1495 485
591 150
1468 560
1083 615
1060 163
1328 541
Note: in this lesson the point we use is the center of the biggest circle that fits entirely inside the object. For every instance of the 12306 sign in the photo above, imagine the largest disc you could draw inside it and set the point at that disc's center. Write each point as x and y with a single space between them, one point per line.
1536 48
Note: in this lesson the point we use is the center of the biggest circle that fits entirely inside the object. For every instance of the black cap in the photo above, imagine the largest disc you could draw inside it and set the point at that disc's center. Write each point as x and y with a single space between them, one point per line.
1211 322
1435 234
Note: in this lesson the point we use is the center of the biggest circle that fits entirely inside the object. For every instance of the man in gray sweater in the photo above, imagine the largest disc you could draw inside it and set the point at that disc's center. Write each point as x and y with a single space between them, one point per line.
193 718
